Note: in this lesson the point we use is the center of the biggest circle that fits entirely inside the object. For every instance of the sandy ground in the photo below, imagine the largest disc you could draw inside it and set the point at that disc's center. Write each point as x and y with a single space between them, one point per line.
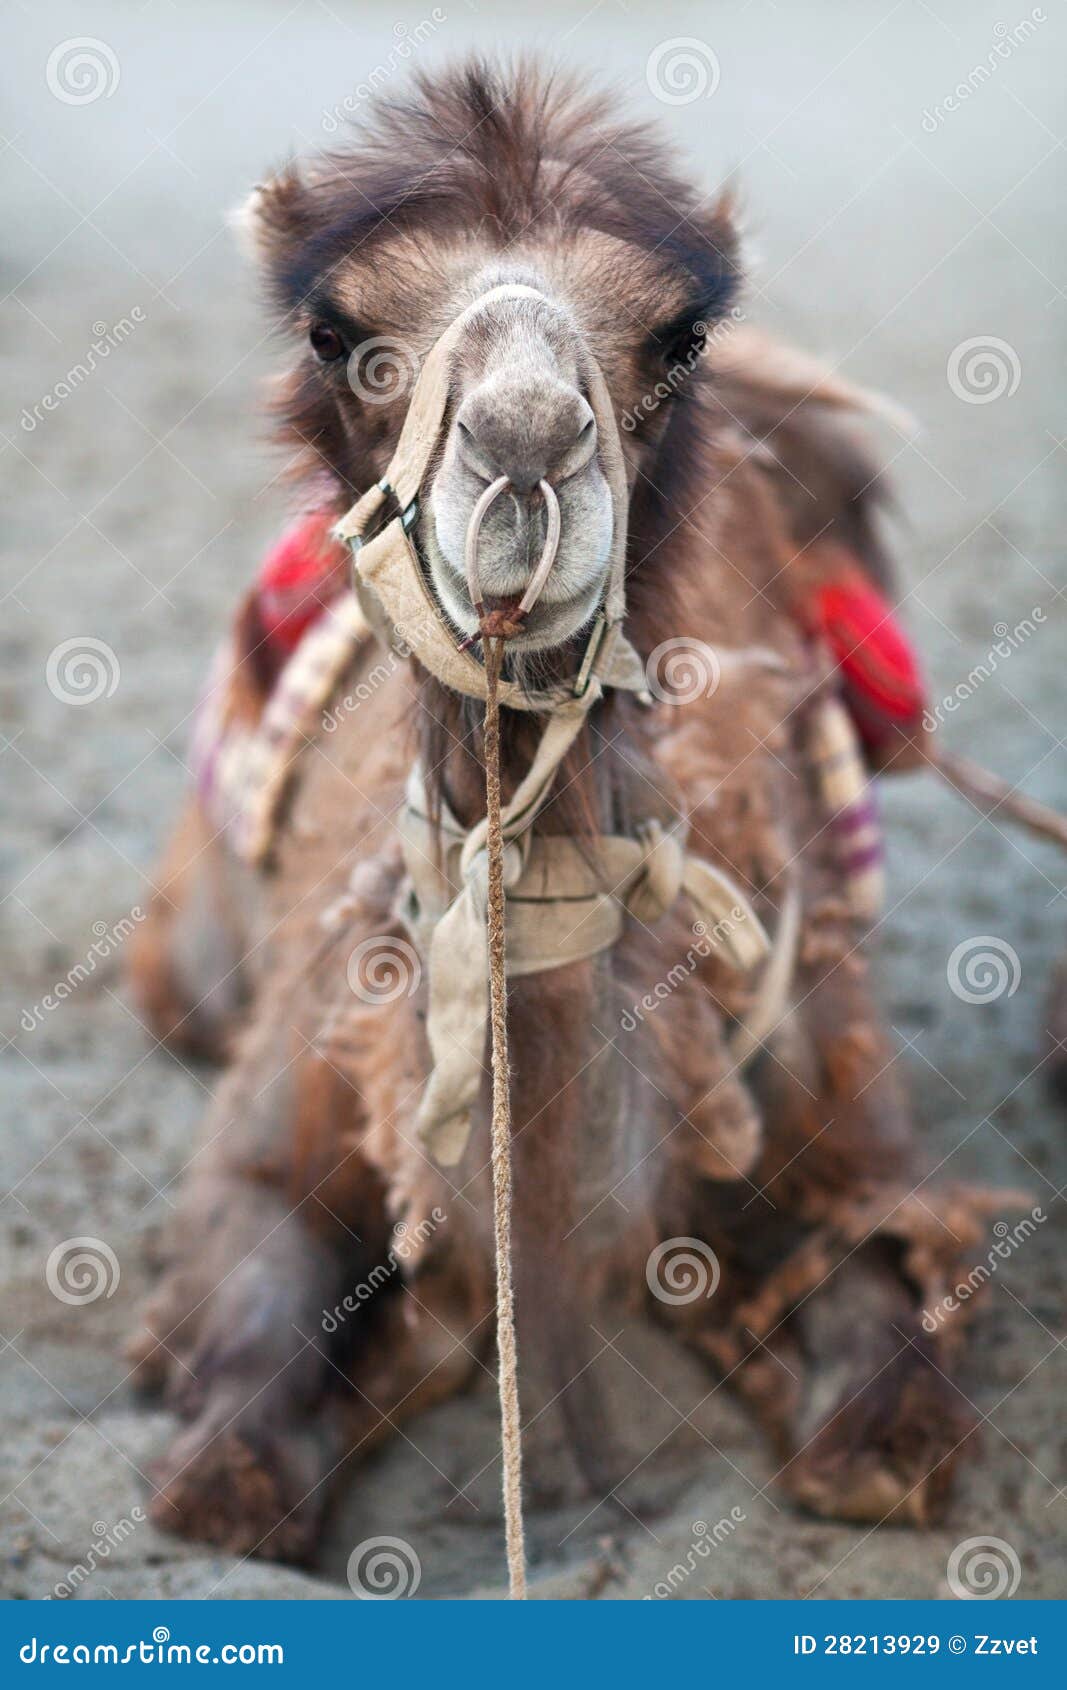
137 505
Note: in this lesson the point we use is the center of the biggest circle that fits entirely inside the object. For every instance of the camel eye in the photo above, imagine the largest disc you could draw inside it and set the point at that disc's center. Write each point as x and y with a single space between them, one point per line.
683 343
326 343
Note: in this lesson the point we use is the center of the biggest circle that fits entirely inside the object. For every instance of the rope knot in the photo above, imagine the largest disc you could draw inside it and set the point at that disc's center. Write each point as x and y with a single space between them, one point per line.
661 875
501 624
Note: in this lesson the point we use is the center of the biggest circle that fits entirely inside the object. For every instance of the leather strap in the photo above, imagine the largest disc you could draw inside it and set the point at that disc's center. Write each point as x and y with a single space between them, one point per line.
563 906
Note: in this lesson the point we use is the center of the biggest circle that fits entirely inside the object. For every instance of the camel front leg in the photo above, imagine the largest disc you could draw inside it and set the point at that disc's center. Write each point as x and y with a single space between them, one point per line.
831 1256
290 1330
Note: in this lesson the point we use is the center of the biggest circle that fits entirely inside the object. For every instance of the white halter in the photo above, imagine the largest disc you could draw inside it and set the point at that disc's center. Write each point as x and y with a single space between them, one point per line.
389 576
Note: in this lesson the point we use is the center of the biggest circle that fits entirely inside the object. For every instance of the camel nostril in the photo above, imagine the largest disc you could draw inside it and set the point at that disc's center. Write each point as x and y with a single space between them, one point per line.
582 449
528 431
475 451
575 443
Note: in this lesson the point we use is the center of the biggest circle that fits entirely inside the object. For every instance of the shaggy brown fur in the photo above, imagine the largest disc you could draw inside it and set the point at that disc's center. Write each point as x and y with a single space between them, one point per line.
798 1172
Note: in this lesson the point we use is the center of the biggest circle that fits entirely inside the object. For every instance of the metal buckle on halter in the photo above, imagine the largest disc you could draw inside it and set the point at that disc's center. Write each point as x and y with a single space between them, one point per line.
356 542
408 516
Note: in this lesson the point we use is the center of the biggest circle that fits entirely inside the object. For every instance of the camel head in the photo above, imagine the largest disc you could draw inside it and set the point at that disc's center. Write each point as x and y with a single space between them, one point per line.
474 180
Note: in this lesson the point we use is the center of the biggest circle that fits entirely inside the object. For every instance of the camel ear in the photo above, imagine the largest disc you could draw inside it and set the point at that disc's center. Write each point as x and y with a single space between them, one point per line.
274 212
724 224
725 254
245 221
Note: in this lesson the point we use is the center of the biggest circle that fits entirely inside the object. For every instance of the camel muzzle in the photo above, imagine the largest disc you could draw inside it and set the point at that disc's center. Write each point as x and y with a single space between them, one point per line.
393 582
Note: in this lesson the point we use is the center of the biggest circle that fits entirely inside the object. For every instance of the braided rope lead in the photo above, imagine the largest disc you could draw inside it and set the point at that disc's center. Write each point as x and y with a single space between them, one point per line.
507 1348
494 627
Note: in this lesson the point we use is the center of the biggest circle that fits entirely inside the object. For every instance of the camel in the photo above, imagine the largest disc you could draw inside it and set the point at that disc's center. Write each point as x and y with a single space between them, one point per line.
793 1172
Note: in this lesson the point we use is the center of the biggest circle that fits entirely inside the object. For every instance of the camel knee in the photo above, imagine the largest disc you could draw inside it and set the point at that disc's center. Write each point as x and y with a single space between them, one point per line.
185 966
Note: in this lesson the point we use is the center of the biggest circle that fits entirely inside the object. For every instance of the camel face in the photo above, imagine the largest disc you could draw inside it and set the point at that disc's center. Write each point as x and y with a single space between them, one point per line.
521 411
632 309
373 253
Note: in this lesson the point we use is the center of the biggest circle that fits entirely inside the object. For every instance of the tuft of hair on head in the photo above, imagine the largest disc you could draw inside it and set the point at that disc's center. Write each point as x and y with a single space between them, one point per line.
244 221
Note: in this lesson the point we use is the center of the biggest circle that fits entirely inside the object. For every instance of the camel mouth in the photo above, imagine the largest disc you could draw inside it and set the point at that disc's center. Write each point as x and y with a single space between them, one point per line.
551 623
570 599
510 543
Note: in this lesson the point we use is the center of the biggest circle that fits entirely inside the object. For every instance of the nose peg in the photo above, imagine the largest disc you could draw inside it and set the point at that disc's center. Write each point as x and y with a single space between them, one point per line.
505 624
